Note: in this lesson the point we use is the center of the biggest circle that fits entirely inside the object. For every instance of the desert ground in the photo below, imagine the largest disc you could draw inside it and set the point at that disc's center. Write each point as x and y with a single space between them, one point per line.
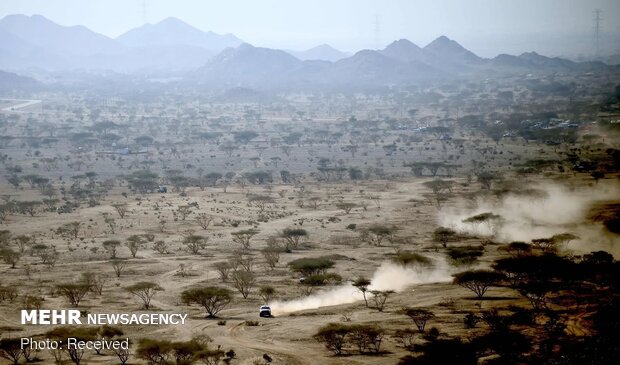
369 200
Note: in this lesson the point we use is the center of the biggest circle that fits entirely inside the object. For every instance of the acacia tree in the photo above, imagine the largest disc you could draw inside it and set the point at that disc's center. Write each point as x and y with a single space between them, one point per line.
11 349
74 292
184 211
333 336
489 218
241 260
478 281
154 351
5 211
204 220
314 202
380 297
362 284
47 254
563 238
145 290
212 299
69 230
419 316
118 266
243 237
111 246
111 222
121 209
406 337
96 281
376 233
223 269
161 247
266 292
544 244
122 354
76 353
134 243
293 236
261 202
536 292
536 276
271 254
307 266
28 207
440 189
443 235
10 257
244 282
24 241
518 249
195 243
5 237
367 338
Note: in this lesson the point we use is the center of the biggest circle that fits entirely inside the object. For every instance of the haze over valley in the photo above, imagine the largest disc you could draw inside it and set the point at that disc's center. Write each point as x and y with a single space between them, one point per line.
324 182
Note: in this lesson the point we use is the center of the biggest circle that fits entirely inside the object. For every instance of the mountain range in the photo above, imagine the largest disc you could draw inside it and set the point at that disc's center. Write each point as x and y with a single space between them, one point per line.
400 63
34 43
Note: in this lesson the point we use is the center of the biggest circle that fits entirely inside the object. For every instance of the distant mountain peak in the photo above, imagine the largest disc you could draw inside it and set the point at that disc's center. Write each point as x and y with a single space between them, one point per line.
170 23
176 23
323 46
404 50
38 17
403 42
32 20
24 16
247 65
402 45
322 52
19 23
175 32
71 42
530 54
443 41
447 48
172 20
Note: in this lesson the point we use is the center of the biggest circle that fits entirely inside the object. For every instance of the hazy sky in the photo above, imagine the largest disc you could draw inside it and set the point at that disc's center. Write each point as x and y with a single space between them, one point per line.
487 27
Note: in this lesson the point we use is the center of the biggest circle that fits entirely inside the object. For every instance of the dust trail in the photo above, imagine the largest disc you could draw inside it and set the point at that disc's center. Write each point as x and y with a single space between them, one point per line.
524 218
389 276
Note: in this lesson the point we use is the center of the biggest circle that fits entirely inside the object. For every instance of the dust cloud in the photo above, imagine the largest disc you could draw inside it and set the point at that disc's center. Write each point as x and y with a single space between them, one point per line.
389 276
555 209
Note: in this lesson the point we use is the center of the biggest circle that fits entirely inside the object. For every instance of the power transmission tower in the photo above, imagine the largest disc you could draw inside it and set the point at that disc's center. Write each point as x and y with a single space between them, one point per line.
597 33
